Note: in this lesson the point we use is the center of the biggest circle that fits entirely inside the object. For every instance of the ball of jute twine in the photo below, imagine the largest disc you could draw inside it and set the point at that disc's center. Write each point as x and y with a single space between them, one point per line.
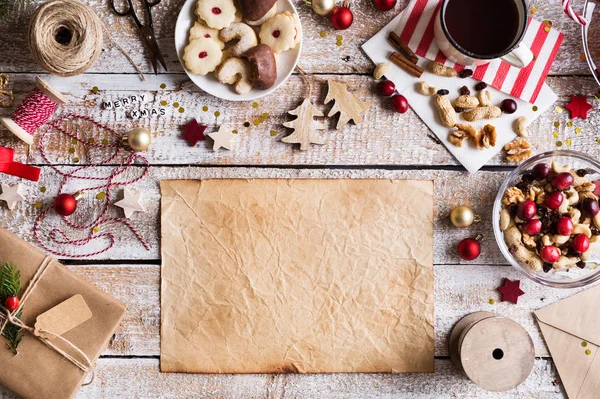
66 37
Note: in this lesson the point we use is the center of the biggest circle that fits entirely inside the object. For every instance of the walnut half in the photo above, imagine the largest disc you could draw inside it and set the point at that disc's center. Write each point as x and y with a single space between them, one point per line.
486 138
518 150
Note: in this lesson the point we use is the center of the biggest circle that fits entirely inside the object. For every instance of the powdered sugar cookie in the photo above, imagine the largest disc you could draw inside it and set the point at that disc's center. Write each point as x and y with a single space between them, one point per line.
238 72
202 56
200 30
280 32
216 14
245 35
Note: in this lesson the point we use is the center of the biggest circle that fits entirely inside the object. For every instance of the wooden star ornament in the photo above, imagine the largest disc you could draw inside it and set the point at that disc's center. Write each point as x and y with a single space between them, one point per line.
579 107
304 126
194 132
511 290
346 103
130 202
11 195
223 138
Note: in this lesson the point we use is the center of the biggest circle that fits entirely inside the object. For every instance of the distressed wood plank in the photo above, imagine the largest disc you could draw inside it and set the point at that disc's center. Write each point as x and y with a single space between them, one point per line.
459 290
452 188
384 137
320 55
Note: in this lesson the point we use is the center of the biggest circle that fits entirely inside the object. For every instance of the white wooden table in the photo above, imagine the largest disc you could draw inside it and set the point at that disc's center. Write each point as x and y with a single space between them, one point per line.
386 145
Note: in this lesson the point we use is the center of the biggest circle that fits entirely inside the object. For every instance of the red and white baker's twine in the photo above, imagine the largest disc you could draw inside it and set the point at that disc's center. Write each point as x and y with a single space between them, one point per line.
568 9
126 163
35 110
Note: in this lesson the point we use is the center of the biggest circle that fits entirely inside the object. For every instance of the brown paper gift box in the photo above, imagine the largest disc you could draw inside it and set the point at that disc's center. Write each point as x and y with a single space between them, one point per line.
39 371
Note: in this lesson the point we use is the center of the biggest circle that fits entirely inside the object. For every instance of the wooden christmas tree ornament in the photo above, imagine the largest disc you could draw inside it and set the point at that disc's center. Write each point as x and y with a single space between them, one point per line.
494 352
304 126
346 103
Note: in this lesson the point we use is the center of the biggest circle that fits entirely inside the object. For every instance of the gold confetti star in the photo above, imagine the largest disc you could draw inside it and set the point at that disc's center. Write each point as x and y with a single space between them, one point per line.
570 123
217 114
588 352
205 108
163 86
556 124
273 133
491 301
568 142
255 105
43 189
100 196
559 110
163 103
577 130
534 108
181 110
559 143
76 160
96 229
175 105
38 205
323 33
584 344
555 134
95 89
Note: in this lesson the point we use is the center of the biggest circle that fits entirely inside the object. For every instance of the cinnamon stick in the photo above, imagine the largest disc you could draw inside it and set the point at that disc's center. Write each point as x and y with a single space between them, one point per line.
406 64
403 48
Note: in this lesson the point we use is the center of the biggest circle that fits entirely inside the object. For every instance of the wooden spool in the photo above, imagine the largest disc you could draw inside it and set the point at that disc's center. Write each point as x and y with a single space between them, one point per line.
494 352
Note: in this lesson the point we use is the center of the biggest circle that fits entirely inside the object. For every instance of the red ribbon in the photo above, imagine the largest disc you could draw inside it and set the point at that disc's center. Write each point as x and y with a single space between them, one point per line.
8 166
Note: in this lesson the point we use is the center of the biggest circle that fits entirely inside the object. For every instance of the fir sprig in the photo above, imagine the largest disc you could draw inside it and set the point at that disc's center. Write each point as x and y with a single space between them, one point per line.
10 285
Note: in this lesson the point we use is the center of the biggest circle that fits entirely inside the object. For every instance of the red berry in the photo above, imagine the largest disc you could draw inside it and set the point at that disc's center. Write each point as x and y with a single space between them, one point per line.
580 243
12 303
399 103
562 181
550 254
386 87
508 106
590 207
564 226
526 210
540 171
469 249
532 227
554 199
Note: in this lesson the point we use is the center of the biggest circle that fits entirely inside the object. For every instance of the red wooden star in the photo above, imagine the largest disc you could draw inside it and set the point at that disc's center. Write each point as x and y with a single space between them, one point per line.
194 132
578 107
511 291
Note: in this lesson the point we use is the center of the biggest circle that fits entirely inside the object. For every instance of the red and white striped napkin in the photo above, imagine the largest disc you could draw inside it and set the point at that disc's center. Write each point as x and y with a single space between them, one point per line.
415 28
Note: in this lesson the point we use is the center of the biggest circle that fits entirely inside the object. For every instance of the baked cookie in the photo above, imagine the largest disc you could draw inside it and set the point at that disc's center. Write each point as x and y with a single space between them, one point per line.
244 34
217 14
200 30
256 12
202 56
280 32
264 66
238 72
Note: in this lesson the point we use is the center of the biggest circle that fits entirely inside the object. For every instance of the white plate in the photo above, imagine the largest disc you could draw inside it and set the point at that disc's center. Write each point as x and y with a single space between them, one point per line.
286 61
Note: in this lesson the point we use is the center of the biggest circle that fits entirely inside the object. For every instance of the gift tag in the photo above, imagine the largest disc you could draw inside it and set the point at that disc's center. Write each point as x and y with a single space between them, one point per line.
63 317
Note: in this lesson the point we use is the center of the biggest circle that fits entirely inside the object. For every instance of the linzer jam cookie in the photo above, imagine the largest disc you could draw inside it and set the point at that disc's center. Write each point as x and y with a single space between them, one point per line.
200 30
217 14
280 32
202 56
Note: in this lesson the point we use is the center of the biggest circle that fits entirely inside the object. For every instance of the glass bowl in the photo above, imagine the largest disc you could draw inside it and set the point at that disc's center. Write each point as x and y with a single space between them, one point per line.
566 278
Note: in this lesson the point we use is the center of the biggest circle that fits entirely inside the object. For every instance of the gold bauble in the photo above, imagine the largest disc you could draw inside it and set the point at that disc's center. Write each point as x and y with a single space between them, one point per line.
462 216
323 7
138 139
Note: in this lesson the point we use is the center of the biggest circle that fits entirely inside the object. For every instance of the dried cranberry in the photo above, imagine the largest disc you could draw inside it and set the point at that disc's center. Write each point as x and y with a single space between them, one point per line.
276 33
465 73
527 177
547 267
546 223
512 249
443 92
459 109
580 264
480 86
202 54
464 91
523 186
595 231
216 10
542 211
513 210
581 172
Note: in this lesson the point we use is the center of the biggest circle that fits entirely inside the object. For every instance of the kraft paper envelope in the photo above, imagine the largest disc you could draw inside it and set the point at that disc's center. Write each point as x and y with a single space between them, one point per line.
306 276
570 328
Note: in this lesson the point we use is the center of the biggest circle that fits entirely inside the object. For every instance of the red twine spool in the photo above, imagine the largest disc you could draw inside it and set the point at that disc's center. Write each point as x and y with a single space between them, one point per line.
34 111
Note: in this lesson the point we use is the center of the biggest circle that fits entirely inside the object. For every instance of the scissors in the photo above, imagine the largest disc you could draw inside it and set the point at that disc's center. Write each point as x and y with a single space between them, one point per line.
147 31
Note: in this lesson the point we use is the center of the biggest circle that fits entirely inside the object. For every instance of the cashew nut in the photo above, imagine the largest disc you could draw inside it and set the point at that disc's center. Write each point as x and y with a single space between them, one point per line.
575 215
594 246
572 196
560 169
565 262
577 180
560 240
520 126
380 70
506 220
424 88
546 241
512 235
484 97
583 229
564 206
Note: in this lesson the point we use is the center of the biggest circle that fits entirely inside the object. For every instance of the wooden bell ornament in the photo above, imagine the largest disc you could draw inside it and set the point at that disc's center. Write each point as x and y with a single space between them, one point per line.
494 352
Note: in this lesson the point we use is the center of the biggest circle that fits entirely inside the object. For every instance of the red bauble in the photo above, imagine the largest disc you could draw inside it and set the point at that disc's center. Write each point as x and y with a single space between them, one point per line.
386 87
341 18
12 303
469 249
65 204
400 103
384 5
